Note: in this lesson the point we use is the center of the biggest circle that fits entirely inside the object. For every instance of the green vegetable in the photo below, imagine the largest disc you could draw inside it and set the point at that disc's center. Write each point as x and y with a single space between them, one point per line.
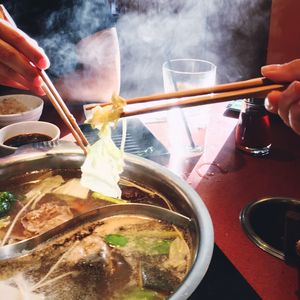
116 240
7 196
152 247
142 294
108 199
7 199
161 247
158 234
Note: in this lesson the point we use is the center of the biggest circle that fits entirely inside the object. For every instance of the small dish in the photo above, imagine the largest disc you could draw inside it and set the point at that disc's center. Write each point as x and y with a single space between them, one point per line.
34 129
19 108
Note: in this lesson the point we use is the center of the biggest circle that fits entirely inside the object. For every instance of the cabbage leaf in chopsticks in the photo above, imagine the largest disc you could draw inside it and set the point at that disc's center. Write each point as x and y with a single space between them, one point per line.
105 161
103 117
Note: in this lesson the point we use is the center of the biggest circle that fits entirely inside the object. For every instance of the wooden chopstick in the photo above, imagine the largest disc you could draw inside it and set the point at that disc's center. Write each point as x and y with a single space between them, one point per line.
54 96
260 91
202 91
67 118
256 87
63 111
255 82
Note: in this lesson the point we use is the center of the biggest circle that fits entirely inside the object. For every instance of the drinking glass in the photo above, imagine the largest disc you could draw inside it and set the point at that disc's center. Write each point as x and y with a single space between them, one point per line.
181 74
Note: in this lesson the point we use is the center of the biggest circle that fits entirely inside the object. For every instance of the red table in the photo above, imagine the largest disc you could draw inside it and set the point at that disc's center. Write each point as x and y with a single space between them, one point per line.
249 179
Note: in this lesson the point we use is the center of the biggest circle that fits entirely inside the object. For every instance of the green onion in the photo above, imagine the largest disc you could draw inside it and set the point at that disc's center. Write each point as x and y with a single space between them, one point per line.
108 199
142 294
116 240
161 247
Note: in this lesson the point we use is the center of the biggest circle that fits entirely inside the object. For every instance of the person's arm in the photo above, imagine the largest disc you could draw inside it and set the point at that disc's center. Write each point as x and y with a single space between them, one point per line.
287 103
17 51
99 76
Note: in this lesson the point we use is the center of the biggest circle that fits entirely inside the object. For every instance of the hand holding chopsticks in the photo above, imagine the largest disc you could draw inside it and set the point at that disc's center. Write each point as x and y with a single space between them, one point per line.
29 68
287 103
257 87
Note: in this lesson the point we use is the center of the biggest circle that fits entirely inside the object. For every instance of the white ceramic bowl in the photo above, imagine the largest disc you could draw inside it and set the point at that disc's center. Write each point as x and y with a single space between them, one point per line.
34 108
26 127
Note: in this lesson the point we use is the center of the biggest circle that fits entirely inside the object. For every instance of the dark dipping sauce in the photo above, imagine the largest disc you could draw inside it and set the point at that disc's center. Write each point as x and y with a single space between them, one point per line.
23 139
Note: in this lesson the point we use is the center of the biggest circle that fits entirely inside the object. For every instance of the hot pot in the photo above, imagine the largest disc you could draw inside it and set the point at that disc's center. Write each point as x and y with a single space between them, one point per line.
185 199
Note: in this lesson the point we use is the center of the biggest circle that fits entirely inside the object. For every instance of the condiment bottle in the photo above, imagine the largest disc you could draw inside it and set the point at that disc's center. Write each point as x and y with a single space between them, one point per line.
253 131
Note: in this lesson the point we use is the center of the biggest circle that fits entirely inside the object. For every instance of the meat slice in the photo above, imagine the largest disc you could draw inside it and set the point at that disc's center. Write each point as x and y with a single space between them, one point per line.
46 217
90 249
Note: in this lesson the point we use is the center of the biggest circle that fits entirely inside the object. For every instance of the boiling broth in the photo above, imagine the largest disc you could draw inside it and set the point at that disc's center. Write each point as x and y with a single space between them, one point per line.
94 267
27 183
120 257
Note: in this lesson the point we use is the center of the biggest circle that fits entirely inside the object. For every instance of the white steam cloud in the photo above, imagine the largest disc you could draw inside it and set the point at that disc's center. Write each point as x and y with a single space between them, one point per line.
66 27
231 34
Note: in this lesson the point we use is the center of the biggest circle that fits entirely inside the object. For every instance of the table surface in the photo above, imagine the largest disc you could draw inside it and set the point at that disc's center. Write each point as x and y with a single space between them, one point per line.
246 179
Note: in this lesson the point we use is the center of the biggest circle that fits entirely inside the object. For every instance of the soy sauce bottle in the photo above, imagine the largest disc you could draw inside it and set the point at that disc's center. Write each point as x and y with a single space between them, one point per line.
253 131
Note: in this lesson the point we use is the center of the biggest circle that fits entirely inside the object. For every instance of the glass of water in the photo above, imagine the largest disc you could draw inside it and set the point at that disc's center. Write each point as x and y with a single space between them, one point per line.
182 74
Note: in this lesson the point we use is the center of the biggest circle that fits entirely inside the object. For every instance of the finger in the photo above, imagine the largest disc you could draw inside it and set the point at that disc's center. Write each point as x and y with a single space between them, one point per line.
9 77
19 40
39 91
288 97
271 102
15 60
286 72
6 16
14 84
294 117
11 83
10 74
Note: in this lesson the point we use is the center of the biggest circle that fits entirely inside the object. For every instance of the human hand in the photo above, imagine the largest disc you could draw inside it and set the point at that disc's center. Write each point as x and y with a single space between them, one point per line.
19 54
287 103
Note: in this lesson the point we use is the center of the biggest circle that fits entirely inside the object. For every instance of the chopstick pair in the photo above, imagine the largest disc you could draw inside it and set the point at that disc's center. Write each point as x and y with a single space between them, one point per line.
63 111
256 87
54 97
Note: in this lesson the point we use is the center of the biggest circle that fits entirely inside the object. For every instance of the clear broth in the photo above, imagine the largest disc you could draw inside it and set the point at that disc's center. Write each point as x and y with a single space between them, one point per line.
120 257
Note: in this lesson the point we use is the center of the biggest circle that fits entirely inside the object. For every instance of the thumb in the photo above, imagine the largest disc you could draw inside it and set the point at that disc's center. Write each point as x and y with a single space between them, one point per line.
286 72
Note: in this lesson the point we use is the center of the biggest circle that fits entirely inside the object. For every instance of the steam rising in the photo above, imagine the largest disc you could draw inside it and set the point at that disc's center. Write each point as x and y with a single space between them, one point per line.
67 27
231 34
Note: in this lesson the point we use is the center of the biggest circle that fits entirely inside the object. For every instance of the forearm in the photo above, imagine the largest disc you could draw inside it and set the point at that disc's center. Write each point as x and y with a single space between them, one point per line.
100 74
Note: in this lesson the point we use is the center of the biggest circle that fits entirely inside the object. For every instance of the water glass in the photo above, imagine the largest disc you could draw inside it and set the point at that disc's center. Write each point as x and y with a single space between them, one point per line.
182 74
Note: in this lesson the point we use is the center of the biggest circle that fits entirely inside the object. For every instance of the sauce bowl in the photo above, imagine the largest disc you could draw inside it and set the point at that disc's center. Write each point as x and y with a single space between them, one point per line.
26 128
